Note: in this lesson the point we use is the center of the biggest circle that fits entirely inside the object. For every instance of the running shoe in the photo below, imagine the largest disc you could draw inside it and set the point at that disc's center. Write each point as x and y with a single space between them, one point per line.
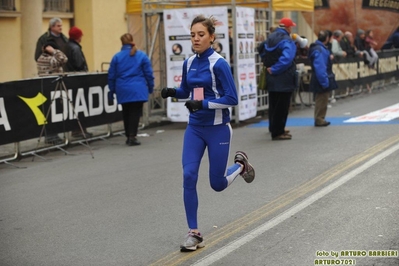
248 173
192 242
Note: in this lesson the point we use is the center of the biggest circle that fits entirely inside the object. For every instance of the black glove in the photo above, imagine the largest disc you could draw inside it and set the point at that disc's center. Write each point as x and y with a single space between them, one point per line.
193 105
168 92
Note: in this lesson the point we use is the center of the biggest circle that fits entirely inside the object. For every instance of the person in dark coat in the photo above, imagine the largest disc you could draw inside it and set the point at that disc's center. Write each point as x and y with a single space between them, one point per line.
76 63
322 81
281 77
130 77
393 41
55 33
73 50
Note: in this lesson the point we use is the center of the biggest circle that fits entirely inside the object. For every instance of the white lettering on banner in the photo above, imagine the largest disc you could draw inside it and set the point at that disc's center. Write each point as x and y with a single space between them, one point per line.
3 116
93 91
80 104
383 115
64 114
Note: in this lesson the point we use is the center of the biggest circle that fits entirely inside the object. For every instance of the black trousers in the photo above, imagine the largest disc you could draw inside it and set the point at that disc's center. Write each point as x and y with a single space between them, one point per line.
131 117
279 104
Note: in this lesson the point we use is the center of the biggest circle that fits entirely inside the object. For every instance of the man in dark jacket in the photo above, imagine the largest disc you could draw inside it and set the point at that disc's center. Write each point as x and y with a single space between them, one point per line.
347 45
281 77
76 63
54 32
73 50
323 79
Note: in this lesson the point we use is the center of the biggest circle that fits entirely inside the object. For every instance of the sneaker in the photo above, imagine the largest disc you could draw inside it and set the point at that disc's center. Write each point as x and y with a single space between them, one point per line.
249 172
192 242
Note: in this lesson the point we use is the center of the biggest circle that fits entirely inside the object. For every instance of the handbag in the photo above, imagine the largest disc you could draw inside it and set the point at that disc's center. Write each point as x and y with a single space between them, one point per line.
262 85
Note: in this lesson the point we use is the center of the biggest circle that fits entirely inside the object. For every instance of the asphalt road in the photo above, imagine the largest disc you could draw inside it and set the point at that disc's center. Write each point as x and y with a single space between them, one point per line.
320 196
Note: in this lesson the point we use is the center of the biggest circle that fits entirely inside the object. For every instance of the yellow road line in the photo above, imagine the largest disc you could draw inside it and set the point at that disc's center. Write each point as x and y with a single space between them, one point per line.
176 258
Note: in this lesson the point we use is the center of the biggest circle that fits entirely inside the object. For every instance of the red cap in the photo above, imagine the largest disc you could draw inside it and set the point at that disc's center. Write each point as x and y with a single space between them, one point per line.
75 33
286 22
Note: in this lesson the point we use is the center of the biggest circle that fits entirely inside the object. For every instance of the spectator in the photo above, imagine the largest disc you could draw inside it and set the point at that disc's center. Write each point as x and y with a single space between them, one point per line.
370 43
54 32
335 45
322 81
281 76
130 77
393 41
207 79
360 43
73 50
50 62
76 63
347 45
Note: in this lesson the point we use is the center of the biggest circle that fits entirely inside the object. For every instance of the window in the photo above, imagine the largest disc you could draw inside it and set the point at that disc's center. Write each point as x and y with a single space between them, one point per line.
7 5
57 6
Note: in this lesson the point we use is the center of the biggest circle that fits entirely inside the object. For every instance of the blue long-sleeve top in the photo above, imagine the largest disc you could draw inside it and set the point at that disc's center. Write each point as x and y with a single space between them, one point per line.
210 71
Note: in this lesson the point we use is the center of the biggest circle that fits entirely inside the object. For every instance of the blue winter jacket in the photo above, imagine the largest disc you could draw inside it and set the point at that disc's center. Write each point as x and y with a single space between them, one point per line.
210 71
280 55
321 64
130 77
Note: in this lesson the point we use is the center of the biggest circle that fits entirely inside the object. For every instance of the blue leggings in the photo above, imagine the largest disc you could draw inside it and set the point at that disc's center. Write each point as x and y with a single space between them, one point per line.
217 140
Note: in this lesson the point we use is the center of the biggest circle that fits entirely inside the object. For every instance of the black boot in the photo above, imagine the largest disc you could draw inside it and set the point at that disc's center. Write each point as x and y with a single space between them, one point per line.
132 141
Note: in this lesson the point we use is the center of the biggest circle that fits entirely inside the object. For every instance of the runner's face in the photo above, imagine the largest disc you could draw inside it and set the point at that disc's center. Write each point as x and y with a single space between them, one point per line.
200 38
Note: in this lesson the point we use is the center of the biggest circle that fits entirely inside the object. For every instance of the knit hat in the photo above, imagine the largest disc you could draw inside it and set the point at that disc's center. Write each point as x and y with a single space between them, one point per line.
360 32
286 22
75 33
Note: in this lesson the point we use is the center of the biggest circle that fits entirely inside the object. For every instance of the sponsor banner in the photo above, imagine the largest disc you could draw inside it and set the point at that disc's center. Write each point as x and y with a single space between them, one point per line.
383 115
177 24
246 69
389 5
25 104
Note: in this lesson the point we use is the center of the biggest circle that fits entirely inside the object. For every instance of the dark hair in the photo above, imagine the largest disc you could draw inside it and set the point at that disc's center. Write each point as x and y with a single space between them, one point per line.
323 35
208 23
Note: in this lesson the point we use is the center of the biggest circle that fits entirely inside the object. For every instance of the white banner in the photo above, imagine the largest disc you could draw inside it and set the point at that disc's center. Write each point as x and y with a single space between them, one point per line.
177 24
246 69
383 115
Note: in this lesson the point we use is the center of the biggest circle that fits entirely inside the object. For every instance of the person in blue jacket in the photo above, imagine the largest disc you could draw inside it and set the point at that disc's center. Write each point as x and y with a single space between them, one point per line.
130 77
322 81
208 83
281 77
393 41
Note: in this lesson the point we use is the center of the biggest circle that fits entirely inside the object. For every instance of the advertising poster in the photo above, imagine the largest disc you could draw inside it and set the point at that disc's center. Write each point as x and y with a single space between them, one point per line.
177 24
246 70
382 17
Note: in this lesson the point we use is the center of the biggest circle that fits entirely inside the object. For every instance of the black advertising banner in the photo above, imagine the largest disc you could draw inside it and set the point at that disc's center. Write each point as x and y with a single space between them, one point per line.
389 5
24 105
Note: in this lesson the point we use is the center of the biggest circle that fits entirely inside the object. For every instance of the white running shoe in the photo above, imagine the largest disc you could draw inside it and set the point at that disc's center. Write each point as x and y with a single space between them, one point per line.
192 242
249 172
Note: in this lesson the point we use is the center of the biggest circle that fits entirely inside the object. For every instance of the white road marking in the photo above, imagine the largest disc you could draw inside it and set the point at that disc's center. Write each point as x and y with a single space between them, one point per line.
224 251
383 115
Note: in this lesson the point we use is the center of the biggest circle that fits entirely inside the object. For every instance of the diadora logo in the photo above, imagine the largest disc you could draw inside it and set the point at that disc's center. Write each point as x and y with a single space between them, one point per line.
34 104
92 103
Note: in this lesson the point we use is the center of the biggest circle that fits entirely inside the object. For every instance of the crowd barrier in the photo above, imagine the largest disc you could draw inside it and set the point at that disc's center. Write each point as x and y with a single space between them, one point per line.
32 107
